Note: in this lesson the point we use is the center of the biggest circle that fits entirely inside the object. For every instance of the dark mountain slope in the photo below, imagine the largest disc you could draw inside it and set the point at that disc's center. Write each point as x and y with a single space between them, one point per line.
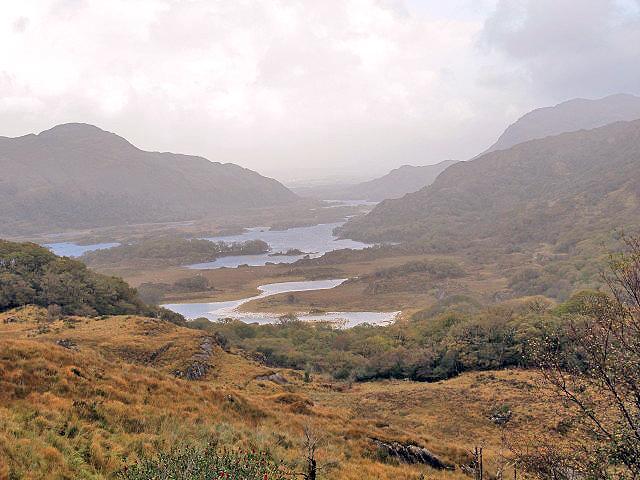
557 189
570 116
77 175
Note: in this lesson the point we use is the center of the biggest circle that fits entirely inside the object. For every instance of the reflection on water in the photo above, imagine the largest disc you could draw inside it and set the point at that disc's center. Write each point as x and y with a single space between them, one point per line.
315 240
70 249
219 310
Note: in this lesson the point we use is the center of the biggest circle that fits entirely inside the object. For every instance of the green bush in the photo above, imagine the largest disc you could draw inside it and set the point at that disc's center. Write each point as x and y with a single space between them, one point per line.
210 463
431 346
31 274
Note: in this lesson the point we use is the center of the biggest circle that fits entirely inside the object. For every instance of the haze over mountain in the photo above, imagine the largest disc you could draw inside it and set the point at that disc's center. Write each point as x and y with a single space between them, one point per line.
554 190
395 184
400 181
569 116
77 175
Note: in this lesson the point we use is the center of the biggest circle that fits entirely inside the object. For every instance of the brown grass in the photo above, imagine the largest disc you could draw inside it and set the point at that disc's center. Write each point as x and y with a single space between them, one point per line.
87 411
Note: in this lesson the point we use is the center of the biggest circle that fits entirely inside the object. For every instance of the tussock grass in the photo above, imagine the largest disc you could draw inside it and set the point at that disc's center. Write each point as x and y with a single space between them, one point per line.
108 402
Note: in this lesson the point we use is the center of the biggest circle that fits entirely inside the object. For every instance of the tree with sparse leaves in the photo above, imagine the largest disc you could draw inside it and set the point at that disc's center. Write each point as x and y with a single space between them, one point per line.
594 366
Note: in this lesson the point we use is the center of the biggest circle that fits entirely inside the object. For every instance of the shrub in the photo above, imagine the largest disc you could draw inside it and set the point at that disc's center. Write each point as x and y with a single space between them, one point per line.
195 464
30 274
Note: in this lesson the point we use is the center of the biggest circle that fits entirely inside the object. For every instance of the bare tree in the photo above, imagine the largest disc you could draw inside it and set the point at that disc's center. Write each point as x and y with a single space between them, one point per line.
311 444
594 366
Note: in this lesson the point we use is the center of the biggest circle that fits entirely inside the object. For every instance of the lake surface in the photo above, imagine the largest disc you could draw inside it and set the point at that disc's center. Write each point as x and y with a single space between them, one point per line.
315 240
350 203
70 249
219 310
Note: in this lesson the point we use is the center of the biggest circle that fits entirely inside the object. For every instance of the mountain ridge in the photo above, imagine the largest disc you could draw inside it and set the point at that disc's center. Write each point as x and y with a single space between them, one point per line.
77 175
394 184
568 116
556 189
400 181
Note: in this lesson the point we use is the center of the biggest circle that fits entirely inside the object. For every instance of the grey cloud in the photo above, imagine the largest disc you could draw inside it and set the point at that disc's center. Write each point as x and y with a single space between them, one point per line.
340 86
569 48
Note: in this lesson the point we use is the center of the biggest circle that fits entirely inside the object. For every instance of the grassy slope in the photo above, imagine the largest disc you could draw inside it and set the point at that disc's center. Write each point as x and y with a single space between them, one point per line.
85 412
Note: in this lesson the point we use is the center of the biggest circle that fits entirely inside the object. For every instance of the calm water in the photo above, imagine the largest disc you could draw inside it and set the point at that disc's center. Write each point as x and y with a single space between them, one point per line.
350 203
69 249
316 240
217 310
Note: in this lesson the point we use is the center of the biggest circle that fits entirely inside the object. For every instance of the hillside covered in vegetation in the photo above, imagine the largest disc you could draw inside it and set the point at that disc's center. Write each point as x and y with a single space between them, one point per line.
133 397
77 175
32 275
85 398
558 190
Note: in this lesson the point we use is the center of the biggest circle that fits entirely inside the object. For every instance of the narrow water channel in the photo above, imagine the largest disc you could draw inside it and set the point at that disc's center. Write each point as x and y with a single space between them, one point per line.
219 310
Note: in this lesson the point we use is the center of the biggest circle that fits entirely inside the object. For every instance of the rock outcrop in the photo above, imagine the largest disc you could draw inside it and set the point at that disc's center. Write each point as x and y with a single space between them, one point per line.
409 453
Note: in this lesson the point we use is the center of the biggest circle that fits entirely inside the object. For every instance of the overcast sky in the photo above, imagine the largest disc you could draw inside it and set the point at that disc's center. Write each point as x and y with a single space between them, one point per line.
314 88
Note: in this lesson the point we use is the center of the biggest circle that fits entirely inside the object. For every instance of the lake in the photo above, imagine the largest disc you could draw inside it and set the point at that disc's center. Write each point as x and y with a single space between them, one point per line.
229 309
350 203
315 240
70 249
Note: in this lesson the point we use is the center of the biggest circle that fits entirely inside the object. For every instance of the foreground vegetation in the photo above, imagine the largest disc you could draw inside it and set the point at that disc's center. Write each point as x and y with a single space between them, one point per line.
434 344
85 398
194 464
102 395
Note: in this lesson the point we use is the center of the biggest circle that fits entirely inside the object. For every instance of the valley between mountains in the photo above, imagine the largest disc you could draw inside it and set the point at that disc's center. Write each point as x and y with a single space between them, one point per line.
164 313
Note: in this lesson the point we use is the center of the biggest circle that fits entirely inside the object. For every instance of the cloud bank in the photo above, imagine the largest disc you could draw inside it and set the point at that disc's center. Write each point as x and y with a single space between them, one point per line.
297 88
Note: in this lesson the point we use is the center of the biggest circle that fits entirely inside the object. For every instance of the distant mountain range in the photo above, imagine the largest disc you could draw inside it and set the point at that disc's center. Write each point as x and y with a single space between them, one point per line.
555 190
77 175
528 185
395 184
399 182
569 116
